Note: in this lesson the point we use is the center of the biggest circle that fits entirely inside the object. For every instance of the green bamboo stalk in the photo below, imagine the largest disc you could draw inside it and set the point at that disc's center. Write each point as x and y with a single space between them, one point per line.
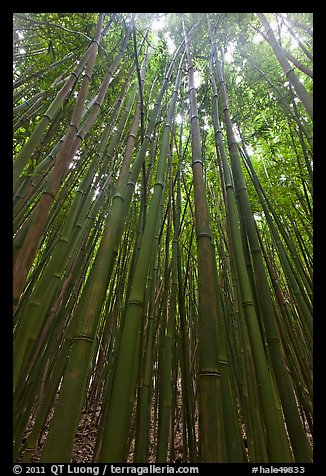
293 114
144 396
45 406
116 432
306 29
254 427
67 151
49 332
187 391
302 67
233 438
303 309
42 296
37 99
126 317
37 109
164 358
302 93
54 373
25 79
211 438
35 139
31 104
303 280
58 259
88 311
112 347
278 447
298 437
288 336
24 260
26 194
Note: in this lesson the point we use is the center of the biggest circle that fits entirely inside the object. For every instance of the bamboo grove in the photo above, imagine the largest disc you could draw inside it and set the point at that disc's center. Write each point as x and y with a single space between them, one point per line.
162 237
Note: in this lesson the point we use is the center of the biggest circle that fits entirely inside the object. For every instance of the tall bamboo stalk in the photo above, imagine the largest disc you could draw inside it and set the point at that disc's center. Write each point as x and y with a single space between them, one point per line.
302 93
162 347
118 418
40 213
211 438
277 440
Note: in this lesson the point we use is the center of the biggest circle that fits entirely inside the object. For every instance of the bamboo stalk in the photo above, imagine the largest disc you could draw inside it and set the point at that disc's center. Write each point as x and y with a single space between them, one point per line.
302 93
211 438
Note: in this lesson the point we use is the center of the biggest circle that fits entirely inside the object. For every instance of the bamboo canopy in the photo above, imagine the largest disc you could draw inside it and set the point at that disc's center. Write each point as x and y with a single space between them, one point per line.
162 222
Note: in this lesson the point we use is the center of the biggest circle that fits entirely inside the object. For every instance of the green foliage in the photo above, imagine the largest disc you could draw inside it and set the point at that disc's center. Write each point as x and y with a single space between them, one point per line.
269 122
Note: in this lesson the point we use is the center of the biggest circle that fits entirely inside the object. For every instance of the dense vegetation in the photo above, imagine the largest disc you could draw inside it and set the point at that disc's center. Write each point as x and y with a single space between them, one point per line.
162 237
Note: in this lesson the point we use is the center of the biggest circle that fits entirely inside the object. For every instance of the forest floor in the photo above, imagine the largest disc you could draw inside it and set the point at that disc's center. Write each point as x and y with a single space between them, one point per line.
86 435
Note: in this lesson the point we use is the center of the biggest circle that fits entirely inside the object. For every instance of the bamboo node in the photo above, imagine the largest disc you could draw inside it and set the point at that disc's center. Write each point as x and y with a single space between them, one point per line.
255 250
223 362
209 373
197 161
247 303
203 234
87 76
135 301
158 183
287 72
47 116
232 141
83 337
49 193
118 195
272 339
